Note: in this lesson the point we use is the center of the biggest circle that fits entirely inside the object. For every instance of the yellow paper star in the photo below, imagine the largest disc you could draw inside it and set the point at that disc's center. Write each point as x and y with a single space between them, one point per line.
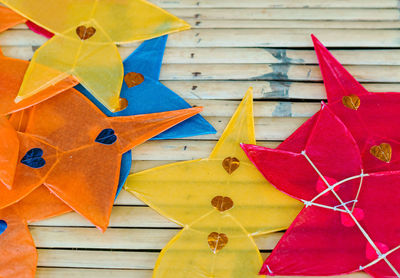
84 43
221 201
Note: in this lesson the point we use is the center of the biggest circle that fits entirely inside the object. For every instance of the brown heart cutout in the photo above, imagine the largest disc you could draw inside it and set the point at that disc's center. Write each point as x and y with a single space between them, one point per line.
217 241
133 79
351 101
222 203
382 152
230 164
85 33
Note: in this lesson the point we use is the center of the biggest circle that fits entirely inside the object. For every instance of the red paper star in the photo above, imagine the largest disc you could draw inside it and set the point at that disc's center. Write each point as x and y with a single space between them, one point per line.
370 117
343 164
347 223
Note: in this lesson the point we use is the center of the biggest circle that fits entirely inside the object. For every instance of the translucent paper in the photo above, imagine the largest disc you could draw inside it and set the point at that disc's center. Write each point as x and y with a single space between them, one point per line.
221 201
12 72
18 256
75 151
343 164
84 42
143 93
8 19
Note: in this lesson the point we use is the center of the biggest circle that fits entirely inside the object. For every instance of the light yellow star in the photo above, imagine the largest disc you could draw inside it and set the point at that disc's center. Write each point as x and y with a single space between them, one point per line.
84 43
221 201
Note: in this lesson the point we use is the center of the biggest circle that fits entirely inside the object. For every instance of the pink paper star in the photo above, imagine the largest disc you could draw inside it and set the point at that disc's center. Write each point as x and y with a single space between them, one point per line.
344 165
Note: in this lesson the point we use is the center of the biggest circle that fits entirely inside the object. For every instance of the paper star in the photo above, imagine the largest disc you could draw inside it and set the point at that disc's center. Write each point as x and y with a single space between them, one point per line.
346 224
75 151
143 93
18 256
370 117
84 42
221 201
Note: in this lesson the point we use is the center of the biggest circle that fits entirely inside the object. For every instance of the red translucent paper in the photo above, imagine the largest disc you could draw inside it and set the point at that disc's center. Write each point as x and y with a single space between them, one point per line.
343 164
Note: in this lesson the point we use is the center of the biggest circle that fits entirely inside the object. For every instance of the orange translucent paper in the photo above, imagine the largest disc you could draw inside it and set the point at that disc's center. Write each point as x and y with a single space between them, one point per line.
8 19
84 42
12 72
18 256
75 151
221 201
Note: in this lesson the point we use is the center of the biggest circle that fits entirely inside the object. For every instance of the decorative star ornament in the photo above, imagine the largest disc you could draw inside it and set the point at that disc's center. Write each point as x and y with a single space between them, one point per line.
84 43
73 150
221 201
143 93
342 164
370 117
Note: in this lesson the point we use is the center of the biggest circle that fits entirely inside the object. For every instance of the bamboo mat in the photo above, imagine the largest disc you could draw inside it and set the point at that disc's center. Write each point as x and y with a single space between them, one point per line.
234 44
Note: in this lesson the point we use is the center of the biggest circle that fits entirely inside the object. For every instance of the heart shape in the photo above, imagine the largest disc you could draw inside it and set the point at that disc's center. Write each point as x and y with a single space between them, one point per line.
230 164
106 136
133 79
3 226
33 158
222 203
382 152
217 241
351 101
85 33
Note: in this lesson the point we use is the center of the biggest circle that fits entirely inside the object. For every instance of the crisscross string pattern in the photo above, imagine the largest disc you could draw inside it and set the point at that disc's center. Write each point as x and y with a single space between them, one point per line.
349 211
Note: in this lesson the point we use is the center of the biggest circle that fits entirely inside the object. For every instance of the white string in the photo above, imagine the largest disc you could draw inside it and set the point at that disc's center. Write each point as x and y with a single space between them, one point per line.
309 203
367 237
352 201
380 257
359 189
330 187
269 269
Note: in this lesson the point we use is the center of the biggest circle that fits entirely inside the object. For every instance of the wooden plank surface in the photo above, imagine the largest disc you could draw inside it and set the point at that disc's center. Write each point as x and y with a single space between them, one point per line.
233 45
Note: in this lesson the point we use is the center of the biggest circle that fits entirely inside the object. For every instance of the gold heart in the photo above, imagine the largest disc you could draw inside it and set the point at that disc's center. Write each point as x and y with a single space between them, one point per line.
85 33
217 241
133 79
222 203
351 101
382 152
230 164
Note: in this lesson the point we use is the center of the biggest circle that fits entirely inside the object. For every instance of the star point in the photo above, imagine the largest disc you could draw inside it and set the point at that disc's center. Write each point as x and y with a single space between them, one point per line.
221 201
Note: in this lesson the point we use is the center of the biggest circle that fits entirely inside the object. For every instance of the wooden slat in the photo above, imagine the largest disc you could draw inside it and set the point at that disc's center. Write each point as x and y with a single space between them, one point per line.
273 129
248 38
97 259
114 273
91 273
100 259
78 273
262 89
306 4
295 24
277 4
273 72
198 23
187 55
288 14
119 238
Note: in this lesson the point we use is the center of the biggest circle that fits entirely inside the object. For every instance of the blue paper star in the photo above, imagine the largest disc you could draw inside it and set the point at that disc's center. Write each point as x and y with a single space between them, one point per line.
145 94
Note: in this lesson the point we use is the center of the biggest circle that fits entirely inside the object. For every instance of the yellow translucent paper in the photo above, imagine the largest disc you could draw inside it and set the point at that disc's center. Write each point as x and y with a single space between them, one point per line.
223 194
84 43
